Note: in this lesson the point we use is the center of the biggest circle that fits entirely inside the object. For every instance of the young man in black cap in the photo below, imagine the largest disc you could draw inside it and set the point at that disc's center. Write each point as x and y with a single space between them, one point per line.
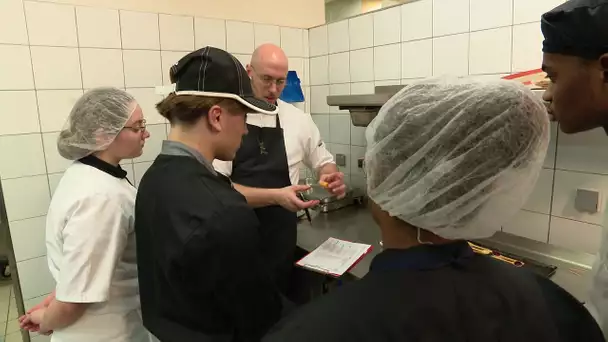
576 61
200 272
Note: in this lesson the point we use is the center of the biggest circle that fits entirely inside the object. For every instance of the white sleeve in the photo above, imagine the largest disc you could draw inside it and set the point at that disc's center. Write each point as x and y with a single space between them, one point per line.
94 239
317 154
223 167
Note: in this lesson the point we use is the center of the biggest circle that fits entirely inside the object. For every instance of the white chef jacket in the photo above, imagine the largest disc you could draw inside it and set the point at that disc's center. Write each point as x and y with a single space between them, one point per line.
91 254
303 142
598 295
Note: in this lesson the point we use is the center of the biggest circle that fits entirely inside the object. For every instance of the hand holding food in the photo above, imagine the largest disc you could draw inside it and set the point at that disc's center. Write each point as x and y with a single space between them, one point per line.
334 183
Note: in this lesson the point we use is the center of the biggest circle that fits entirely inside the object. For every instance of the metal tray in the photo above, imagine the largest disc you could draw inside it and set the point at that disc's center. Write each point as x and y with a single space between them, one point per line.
538 267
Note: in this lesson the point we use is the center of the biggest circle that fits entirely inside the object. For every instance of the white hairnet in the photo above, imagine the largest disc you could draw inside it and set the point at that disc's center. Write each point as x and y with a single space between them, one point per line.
94 122
456 157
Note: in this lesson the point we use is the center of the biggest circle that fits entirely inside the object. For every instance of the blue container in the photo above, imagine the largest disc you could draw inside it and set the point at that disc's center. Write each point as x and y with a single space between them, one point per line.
293 90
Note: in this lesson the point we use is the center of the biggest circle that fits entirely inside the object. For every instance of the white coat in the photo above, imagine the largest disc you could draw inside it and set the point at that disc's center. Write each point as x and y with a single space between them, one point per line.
91 253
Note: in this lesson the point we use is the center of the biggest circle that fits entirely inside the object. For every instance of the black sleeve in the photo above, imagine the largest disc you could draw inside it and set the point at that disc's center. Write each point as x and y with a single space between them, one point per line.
242 285
573 321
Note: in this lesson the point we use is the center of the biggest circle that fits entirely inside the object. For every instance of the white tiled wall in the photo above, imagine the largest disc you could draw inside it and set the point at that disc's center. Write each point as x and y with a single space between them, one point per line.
51 53
484 38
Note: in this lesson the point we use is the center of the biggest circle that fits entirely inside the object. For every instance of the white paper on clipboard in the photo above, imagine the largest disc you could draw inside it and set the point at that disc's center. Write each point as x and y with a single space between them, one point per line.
334 257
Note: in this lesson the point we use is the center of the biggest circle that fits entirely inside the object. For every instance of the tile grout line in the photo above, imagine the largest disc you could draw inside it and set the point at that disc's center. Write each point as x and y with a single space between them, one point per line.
122 52
573 220
163 13
162 77
37 104
8 311
16 281
53 132
226 34
15 273
147 49
193 38
124 73
95 47
553 185
32 258
469 45
432 39
512 35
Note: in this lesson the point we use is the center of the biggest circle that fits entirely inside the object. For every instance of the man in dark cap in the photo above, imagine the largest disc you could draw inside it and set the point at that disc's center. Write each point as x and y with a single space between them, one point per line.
576 61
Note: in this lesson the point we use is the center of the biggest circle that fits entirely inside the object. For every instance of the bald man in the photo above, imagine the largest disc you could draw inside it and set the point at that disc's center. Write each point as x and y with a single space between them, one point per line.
266 167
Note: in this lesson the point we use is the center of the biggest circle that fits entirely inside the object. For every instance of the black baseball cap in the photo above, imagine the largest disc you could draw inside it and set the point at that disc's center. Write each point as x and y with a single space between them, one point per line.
214 72
577 28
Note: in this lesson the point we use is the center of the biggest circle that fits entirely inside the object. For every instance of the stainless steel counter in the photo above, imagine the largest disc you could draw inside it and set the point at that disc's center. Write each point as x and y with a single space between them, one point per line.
356 224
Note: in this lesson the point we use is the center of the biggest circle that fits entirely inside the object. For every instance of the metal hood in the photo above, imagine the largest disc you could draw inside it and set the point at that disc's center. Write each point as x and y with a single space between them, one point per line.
364 108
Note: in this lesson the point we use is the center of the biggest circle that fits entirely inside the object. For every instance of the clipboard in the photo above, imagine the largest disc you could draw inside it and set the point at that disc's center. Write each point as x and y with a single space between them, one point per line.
334 257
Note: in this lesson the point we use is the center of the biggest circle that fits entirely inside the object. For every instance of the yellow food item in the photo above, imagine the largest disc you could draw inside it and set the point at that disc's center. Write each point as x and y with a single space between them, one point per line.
543 84
323 184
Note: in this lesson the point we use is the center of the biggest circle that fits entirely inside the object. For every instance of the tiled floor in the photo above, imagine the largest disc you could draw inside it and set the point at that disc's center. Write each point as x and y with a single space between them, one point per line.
8 314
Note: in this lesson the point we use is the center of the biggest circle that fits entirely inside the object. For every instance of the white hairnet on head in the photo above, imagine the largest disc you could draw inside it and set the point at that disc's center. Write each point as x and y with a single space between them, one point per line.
94 122
456 157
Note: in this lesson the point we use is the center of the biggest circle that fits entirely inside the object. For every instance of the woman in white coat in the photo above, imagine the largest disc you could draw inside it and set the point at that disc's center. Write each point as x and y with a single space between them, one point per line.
89 230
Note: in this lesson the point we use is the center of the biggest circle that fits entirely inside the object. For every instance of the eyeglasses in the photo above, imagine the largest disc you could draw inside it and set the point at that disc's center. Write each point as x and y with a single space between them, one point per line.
269 81
139 127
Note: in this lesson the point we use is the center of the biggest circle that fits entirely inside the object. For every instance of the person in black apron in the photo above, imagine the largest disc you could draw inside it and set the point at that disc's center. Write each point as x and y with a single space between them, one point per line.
261 162
445 164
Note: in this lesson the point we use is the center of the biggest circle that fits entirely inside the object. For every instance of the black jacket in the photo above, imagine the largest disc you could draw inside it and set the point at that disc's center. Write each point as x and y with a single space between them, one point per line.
201 277
432 294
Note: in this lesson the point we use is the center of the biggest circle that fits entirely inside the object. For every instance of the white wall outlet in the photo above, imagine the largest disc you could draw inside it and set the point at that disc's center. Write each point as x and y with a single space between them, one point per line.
587 200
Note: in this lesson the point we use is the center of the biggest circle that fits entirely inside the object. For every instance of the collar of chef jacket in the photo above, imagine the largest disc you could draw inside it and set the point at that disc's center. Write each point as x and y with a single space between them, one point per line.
423 257
115 171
